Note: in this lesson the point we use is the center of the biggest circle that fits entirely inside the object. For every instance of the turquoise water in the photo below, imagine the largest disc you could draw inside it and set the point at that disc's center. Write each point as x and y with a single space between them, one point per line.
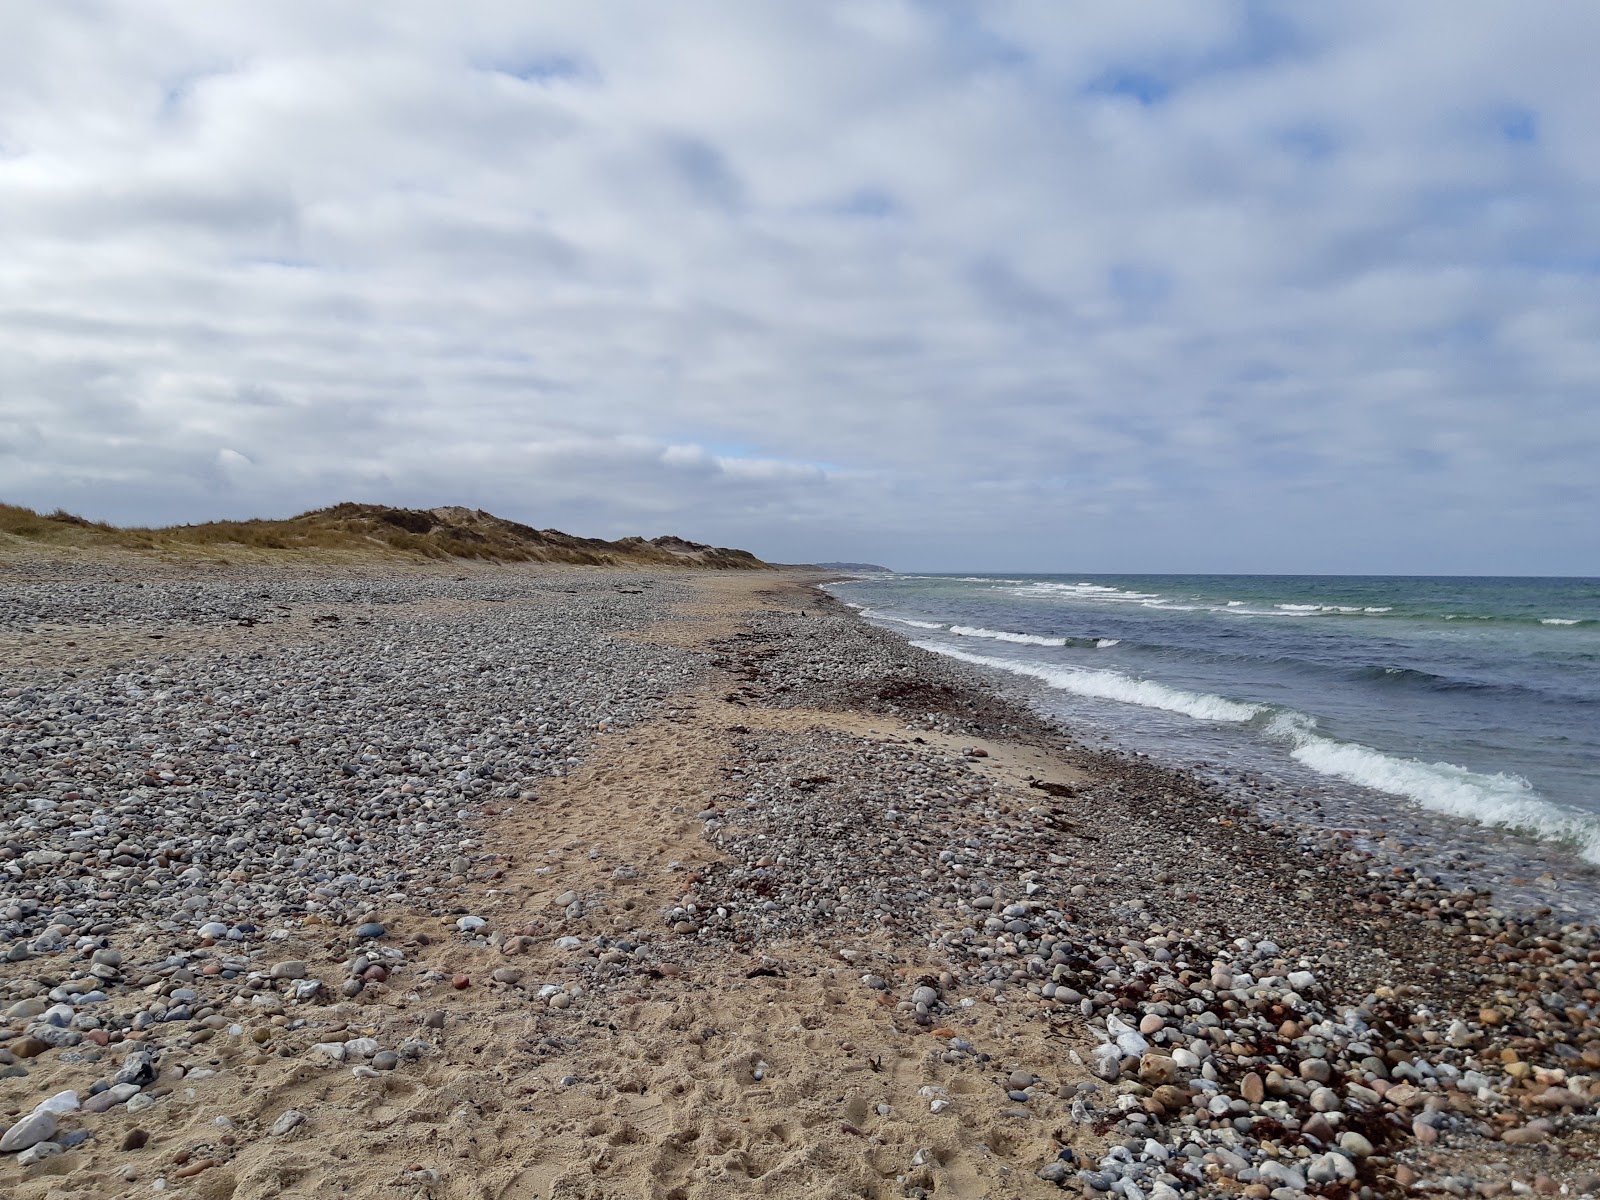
1477 698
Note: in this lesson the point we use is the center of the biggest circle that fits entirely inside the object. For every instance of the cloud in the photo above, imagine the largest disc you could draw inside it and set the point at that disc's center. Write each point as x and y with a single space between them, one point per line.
1181 288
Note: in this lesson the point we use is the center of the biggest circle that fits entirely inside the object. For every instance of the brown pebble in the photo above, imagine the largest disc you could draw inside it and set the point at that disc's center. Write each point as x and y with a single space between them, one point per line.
193 1169
1251 1089
27 1047
135 1139
460 981
1528 1135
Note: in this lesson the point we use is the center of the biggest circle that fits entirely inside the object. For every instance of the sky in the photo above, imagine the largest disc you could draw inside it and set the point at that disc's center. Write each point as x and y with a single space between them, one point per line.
1175 286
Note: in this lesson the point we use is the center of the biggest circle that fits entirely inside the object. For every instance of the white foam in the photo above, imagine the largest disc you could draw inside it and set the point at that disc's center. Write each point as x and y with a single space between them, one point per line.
1001 635
882 616
1557 621
1502 800
1107 643
1110 685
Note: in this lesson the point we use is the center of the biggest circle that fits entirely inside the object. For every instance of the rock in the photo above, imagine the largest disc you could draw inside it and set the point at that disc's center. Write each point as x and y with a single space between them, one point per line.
292 969
1530 1134
385 1060
1315 1070
38 1152
32 1129
213 930
138 1068
1325 1100
1252 1089
470 924
924 996
27 1047
371 929
116 1094
1128 1039
1156 1069
1355 1144
1330 1167
288 1120
1105 1060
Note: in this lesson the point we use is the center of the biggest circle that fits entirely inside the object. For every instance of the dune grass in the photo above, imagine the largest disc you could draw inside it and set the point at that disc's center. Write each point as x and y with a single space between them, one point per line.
364 531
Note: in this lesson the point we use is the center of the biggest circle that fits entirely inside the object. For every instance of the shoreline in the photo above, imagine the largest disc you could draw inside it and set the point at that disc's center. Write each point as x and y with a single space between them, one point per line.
1524 866
716 904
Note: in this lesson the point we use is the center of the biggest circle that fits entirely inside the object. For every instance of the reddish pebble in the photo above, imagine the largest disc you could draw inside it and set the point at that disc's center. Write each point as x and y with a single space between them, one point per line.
99 1037
460 981
377 974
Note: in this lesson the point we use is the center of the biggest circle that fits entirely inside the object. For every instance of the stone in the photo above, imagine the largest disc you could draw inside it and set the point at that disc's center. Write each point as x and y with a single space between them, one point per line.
1252 1089
1156 1069
138 1068
38 1152
291 969
370 929
32 1129
1530 1134
1105 1060
1330 1167
1355 1144
288 1120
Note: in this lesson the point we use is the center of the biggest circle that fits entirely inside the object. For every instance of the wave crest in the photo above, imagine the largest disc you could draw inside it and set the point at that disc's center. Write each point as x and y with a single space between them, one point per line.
1112 685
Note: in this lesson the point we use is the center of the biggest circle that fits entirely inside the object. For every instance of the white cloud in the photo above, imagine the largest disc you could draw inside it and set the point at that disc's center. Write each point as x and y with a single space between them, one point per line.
1092 287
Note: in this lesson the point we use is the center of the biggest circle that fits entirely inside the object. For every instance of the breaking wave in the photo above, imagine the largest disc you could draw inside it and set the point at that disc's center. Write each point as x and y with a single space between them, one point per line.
1112 685
1001 635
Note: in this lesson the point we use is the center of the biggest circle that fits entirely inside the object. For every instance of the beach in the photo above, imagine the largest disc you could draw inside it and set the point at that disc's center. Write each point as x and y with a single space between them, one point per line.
547 881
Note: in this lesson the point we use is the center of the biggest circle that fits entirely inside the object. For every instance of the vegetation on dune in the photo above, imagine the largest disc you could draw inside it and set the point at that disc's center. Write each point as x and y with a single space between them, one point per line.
376 530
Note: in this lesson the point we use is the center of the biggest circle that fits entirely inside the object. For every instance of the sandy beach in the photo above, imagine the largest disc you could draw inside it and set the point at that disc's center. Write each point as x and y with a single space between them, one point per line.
553 882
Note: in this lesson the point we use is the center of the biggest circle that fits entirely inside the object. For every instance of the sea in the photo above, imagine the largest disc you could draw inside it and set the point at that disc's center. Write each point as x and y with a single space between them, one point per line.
1458 718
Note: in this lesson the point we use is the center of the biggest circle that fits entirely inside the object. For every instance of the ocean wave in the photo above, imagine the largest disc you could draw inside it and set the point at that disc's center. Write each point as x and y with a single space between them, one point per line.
1106 643
1112 685
915 624
1094 591
1559 621
1001 635
1501 800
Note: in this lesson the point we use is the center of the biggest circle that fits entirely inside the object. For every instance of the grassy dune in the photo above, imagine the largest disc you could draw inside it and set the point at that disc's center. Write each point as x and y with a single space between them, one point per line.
369 531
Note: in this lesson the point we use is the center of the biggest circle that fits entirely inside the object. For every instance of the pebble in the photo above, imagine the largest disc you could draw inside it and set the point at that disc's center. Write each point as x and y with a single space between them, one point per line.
288 1120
